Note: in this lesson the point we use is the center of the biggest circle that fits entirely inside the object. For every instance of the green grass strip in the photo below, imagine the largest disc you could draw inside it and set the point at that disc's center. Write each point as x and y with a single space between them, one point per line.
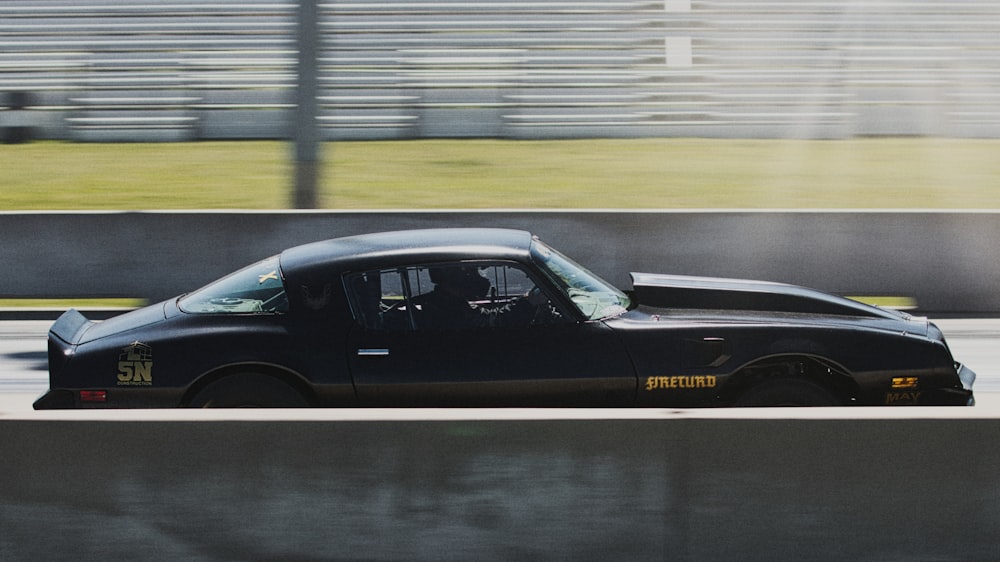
72 303
878 173
894 302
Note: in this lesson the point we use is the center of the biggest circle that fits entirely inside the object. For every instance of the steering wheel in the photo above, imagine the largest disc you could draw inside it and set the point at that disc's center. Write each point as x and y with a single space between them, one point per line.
544 311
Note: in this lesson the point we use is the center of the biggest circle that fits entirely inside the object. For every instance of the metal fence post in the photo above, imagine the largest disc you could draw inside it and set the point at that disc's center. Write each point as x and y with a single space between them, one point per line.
305 127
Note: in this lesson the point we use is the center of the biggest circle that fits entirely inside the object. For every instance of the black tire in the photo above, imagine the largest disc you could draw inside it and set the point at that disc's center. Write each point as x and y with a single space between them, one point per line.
249 390
787 392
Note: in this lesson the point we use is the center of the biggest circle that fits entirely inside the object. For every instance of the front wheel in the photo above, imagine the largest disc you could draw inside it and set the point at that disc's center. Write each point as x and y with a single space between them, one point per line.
787 392
248 390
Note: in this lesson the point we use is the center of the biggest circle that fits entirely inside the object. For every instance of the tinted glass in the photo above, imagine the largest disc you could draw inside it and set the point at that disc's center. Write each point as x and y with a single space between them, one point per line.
449 296
593 296
255 289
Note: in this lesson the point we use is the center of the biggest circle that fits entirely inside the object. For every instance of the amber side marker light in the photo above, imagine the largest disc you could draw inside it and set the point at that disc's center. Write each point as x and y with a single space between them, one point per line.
93 396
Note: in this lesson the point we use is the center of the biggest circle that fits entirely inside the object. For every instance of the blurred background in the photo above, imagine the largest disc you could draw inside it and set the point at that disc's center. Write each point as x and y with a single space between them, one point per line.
616 103
106 70
116 105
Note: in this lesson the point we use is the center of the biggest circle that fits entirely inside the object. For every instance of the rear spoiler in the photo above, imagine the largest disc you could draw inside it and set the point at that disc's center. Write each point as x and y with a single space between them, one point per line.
70 326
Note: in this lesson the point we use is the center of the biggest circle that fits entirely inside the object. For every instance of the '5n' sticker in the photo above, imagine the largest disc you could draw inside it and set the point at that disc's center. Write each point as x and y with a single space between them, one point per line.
135 365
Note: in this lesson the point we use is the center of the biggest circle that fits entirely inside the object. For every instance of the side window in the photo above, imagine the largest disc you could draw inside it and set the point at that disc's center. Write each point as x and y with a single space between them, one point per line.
379 299
449 296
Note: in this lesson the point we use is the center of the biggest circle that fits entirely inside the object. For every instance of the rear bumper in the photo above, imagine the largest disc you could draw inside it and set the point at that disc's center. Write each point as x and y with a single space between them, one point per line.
74 399
56 400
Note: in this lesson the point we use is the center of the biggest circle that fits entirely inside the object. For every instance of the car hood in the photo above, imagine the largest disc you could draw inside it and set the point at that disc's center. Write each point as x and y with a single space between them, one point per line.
708 293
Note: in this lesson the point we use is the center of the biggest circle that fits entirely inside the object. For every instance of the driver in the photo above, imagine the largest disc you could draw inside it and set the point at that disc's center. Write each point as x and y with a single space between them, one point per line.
448 306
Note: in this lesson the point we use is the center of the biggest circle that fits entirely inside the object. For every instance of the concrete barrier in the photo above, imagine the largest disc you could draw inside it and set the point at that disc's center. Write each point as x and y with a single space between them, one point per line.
501 485
947 261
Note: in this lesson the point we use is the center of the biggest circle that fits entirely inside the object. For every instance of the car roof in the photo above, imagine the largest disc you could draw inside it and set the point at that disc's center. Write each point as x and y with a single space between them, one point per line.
369 251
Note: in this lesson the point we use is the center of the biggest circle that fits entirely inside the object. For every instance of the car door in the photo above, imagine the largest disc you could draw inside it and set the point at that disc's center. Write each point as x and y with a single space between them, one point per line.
514 347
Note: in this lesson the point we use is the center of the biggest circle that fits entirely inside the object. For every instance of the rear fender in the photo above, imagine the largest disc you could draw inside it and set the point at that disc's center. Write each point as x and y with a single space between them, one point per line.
275 372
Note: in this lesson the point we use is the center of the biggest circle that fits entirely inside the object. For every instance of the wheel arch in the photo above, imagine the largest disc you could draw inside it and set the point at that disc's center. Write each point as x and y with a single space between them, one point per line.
277 372
817 369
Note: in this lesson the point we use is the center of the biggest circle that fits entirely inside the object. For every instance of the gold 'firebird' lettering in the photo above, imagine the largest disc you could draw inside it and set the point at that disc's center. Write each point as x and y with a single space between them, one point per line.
694 381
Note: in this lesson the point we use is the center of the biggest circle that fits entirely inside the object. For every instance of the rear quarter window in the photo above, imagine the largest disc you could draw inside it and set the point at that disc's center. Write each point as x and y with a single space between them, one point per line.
256 289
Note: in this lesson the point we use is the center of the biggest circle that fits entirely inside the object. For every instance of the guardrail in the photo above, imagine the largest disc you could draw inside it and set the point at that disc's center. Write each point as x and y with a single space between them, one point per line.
491 485
945 261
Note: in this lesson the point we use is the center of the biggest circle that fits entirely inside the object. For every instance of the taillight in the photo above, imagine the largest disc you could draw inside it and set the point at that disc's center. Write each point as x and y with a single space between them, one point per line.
93 396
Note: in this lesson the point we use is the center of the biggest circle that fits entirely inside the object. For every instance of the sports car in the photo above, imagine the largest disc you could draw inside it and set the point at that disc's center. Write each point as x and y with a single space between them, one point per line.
493 318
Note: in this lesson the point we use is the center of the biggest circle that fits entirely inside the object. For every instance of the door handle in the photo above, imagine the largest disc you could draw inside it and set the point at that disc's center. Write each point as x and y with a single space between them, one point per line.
373 352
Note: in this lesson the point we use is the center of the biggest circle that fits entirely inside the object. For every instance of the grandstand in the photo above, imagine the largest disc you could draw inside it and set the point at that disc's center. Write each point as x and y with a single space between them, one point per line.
152 70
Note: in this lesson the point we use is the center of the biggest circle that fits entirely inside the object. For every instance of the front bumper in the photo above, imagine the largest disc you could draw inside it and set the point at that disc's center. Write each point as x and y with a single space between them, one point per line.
968 378
953 396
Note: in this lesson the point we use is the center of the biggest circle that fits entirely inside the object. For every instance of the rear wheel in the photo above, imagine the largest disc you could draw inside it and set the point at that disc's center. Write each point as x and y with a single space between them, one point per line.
248 390
787 392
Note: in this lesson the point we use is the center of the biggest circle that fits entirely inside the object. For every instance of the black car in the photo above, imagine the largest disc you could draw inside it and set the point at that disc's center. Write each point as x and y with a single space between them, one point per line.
493 318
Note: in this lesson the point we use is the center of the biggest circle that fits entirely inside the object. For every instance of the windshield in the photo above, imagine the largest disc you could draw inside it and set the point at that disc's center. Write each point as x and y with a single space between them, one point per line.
594 297
254 289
